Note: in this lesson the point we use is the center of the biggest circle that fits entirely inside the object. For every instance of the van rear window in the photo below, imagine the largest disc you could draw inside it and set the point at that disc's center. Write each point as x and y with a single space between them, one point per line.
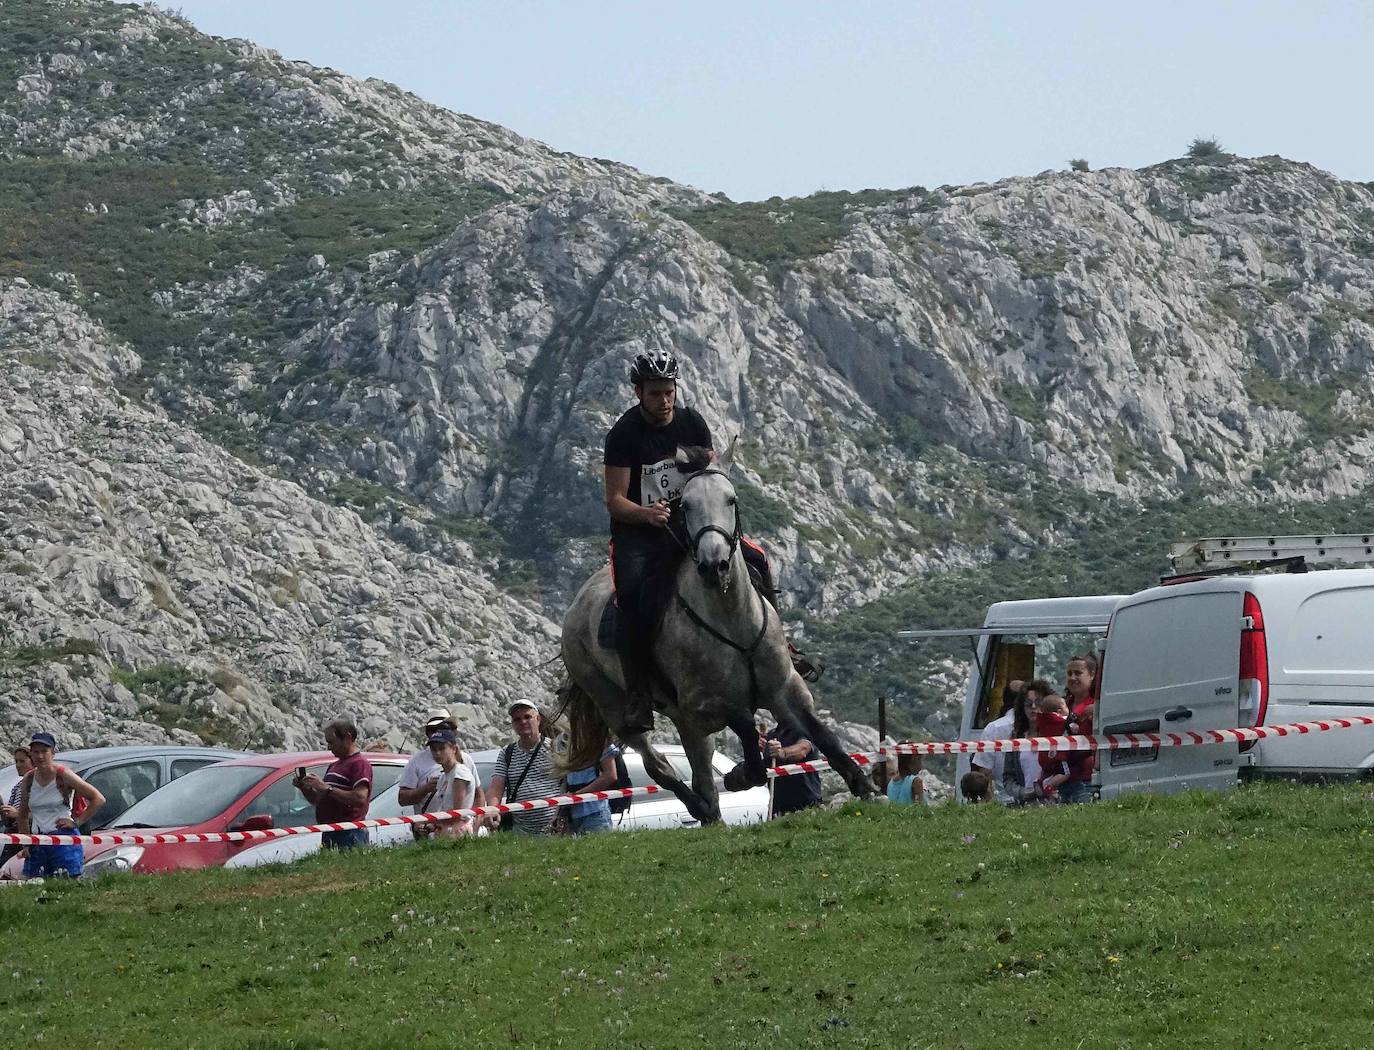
1174 640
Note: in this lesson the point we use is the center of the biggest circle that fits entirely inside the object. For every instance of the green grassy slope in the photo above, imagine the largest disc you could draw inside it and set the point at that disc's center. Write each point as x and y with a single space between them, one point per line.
1236 920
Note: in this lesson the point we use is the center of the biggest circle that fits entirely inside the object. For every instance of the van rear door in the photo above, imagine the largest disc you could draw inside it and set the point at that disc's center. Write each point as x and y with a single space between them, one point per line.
1172 665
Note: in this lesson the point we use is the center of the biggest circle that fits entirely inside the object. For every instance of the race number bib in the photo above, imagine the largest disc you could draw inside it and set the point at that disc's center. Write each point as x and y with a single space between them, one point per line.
659 482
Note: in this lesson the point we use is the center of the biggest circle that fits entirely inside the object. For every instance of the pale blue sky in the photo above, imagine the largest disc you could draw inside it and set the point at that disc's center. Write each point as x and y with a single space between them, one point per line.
764 98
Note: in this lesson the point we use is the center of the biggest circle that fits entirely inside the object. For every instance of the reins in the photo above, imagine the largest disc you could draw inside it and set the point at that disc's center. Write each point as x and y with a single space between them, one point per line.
748 651
693 540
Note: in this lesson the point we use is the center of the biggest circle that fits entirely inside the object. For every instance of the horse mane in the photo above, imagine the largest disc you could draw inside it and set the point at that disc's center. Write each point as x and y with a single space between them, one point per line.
693 458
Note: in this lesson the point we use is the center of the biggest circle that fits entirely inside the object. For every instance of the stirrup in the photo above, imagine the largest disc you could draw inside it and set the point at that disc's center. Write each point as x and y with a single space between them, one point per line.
809 670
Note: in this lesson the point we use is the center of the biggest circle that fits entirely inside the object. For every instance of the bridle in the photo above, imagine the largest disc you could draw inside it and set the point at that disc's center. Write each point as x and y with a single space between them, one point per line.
694 539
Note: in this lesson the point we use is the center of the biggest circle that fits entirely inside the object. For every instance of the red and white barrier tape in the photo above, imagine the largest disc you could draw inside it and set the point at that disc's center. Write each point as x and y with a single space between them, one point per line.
1112 742
134 839
955 747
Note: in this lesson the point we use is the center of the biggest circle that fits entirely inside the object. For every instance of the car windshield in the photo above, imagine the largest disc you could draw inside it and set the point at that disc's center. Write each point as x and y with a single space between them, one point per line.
196 797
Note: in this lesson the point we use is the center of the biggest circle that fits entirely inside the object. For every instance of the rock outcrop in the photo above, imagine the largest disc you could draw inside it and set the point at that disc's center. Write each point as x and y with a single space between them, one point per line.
155 587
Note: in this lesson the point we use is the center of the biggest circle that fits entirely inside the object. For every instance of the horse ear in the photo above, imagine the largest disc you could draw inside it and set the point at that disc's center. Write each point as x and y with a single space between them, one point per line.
683 461
726 458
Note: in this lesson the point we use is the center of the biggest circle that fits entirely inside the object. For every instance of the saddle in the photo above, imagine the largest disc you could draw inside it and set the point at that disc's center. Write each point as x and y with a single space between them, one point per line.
809 669
608 625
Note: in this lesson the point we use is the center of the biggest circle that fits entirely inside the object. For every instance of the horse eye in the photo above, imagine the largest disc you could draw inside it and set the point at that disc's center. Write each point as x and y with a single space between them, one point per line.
731 502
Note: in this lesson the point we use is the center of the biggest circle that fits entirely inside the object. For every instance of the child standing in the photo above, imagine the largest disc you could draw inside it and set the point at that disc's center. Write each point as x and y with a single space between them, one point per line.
454 790
1080 681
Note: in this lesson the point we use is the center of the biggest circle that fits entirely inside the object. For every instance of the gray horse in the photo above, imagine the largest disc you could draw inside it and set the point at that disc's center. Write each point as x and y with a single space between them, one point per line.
720 650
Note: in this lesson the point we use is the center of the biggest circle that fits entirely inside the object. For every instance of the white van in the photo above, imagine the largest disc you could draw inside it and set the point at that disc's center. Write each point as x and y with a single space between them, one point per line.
1026 640
1198 653
1239 650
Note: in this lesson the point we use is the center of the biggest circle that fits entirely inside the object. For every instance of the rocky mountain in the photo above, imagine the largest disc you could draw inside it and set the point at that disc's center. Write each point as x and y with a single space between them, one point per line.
154 585
311 313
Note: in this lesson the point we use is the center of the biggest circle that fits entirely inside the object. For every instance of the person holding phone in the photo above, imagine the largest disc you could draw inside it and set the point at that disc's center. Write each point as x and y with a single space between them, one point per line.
345 790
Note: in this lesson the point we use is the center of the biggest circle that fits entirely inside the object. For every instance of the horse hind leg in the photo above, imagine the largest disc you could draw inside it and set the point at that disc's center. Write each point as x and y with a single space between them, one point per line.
799 706
663 774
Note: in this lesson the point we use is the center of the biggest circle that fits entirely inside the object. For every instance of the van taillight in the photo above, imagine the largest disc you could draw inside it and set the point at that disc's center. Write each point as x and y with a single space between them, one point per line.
1254 669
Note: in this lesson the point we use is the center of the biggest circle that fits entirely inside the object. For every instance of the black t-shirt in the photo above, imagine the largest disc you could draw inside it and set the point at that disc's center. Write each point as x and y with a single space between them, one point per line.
801 790
650 452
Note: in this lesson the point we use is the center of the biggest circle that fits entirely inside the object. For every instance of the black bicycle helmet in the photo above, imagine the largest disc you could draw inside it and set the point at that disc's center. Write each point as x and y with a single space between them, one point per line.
653 364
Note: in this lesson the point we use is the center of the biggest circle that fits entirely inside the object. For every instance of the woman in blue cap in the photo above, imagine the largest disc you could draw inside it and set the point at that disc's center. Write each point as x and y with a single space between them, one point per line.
45 808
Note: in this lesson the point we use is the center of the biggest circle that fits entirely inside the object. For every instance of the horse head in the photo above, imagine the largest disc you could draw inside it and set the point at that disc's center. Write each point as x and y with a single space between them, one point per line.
710 515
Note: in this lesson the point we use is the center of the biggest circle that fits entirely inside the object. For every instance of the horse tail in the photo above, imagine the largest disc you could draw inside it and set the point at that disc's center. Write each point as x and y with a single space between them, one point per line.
588 733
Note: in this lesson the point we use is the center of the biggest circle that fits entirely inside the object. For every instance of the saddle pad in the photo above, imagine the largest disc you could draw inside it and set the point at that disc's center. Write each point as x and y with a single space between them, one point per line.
605 629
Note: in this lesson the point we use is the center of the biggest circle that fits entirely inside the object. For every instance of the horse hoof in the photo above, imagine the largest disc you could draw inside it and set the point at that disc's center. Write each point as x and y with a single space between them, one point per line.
737 779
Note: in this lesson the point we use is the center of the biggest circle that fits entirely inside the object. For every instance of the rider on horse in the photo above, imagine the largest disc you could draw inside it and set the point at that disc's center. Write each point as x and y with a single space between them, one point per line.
643 483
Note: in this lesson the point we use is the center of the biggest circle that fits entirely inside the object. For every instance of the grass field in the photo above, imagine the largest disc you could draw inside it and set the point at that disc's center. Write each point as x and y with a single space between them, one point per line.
1235 920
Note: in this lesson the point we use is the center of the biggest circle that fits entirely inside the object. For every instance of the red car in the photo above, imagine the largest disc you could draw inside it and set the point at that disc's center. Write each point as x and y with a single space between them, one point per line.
246 794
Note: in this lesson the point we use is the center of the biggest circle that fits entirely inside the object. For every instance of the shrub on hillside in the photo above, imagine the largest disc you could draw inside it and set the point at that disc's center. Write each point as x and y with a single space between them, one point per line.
779 233
1079 164
1200 147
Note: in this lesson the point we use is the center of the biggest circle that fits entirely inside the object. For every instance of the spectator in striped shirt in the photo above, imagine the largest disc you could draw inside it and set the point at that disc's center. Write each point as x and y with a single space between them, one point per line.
524 771
10 811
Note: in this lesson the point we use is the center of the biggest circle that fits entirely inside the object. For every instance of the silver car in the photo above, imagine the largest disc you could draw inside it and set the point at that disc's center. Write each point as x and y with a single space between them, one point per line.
125 775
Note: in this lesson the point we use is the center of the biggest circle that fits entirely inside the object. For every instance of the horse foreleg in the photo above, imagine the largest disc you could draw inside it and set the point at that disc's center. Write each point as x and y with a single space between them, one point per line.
663 774
753 771
699 751
799 706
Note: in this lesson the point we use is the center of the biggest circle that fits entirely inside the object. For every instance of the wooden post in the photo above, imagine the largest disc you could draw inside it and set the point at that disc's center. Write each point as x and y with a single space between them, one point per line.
882 719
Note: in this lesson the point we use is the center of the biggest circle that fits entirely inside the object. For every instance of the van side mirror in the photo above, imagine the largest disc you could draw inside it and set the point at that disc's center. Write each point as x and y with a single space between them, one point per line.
257 822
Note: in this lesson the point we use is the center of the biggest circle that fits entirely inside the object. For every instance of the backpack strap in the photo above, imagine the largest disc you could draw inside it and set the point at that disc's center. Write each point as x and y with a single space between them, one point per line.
76 803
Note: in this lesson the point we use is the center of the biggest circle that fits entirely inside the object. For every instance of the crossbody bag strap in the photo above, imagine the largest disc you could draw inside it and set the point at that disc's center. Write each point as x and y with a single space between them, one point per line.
424 806
510 795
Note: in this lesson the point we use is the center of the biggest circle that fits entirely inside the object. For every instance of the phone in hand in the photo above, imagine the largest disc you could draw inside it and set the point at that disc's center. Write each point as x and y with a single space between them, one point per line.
300 773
